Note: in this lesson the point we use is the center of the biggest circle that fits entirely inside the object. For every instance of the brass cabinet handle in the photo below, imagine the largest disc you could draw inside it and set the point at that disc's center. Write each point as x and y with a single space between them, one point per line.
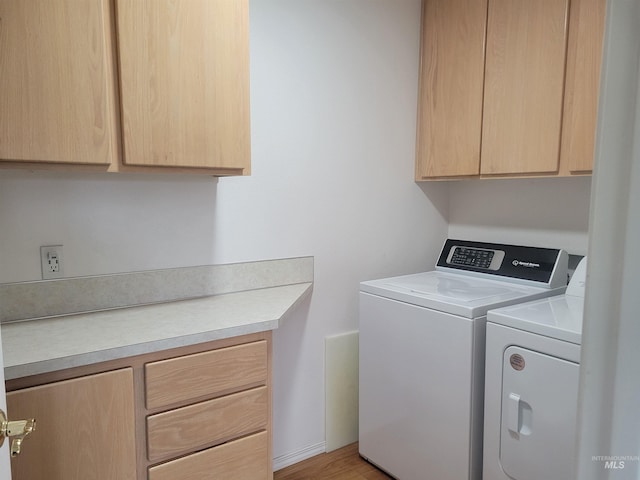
17 429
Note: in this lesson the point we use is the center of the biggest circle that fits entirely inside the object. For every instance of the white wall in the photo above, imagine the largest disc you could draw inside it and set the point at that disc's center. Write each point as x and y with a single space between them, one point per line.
333 95
107 223
542 212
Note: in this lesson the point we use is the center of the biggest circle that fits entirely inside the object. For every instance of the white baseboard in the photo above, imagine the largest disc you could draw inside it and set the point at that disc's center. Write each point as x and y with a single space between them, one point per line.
291 458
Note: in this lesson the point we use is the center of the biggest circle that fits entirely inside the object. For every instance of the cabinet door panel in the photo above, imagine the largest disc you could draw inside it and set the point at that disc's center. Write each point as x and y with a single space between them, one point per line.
56 87
584 55
451 80
84 429
184 70
524 84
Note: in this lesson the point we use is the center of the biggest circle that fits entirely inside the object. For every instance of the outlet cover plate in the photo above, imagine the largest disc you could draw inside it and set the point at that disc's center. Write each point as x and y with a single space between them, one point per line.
51 262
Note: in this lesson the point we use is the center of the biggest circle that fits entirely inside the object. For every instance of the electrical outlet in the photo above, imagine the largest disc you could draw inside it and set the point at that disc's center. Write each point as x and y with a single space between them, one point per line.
51 261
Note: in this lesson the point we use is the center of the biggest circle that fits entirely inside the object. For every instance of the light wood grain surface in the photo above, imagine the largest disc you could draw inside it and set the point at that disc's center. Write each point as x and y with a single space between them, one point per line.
584 57
56 94
524 86
187 428
243 459
184 70
342 464
451 83
84 429
208 373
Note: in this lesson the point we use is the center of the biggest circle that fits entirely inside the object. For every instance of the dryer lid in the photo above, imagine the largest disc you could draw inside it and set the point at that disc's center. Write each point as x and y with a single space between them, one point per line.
555 317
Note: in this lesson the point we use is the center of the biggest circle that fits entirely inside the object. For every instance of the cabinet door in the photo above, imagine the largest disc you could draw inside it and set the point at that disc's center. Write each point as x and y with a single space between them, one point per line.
524 84
184 69
56 87
584 55
85 429
451 81
5 471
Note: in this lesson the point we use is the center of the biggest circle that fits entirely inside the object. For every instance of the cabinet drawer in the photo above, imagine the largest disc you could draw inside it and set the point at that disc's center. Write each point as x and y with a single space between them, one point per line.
194 376
184 429
244 459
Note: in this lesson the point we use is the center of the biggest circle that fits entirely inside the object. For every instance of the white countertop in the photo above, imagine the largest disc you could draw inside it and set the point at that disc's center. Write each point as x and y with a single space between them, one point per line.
46 345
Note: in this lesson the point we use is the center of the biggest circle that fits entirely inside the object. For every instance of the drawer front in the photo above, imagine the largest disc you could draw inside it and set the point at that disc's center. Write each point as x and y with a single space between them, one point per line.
184 429
244 459
195 376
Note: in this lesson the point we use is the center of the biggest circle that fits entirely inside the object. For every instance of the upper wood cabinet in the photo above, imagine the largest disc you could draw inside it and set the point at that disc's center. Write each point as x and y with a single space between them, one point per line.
125 85
524 83
56 88
584 58
452 75
184 80
518 96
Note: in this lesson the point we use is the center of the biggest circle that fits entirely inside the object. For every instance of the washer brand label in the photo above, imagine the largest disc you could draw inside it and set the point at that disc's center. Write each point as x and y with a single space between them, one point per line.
517 361
519 263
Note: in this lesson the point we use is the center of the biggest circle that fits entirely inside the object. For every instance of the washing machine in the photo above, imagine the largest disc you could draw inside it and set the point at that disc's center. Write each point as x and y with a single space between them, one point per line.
531 386
421 354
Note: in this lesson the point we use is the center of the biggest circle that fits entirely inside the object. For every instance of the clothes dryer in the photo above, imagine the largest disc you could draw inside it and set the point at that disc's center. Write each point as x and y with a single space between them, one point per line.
531 386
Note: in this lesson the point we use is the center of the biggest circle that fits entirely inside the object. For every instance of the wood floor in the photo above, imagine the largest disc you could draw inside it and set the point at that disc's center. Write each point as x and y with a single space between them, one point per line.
343 464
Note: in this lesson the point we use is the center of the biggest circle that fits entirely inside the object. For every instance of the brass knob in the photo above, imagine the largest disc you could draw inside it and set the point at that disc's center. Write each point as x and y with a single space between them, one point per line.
18 429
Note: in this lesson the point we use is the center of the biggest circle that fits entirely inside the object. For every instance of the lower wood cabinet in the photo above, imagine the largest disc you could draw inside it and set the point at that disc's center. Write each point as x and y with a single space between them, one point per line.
198 412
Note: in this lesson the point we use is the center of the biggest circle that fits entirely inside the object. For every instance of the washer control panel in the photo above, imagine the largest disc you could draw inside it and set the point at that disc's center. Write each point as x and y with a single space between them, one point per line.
529 265
483 258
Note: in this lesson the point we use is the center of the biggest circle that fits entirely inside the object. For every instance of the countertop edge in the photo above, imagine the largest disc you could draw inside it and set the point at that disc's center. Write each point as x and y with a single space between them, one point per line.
129 349
296 303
